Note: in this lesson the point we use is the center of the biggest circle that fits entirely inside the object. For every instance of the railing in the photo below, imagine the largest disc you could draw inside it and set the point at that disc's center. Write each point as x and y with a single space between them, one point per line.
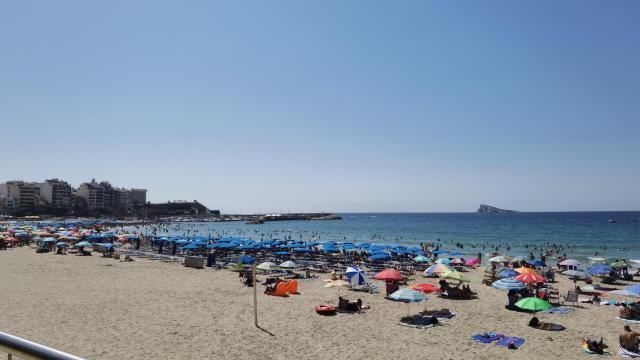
29 350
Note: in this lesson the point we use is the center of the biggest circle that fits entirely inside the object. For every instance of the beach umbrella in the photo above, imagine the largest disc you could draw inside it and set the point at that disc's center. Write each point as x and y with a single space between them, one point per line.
457 261
508 284
530 278
380 257
509 273
408 295
628 291
569 262
472 262
518 258
288 264
425 288
526 270
61 244
598 269
246 259
83 244
619 264
355 275
421 258
500 258
533 304
268 266
437 269
575 273
454 276
536 263
389 275
443 261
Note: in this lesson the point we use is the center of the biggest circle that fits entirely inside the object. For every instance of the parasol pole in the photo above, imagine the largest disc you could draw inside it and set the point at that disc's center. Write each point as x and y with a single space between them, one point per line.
255 295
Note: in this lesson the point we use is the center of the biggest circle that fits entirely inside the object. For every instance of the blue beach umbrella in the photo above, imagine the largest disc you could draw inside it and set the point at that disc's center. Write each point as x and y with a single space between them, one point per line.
628 291
380 257
598 269
508 273
536 263
246 259
83 244
508 284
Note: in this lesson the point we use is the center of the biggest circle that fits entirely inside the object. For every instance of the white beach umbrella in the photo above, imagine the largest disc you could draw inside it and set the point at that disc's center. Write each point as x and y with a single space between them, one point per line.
268 266
500 258
288 264
569 262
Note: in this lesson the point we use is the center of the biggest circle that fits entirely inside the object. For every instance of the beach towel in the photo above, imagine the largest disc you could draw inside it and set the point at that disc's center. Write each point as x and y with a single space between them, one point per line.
558 310
487 338
628 320
585 349
505 341
626 353
609 302
440 314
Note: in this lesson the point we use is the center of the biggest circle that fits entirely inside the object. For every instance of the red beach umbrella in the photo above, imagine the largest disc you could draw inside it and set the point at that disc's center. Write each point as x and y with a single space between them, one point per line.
389 275
425 288
529 278
12 239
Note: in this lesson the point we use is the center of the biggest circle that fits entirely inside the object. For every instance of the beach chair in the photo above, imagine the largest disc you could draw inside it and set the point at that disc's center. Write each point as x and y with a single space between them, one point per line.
553 296
572 297
281 290
292 287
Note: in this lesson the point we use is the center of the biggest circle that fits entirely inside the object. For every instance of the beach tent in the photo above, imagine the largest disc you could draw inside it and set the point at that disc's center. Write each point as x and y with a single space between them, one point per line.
355 275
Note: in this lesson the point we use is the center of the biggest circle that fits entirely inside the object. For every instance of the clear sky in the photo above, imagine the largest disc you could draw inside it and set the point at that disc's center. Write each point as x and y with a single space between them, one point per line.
328 105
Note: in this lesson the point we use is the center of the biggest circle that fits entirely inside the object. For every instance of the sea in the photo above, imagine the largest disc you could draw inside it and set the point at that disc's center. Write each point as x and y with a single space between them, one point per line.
577 234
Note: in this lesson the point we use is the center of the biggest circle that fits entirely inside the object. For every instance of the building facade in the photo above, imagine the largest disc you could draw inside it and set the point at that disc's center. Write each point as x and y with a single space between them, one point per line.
57 194
24 197
97 196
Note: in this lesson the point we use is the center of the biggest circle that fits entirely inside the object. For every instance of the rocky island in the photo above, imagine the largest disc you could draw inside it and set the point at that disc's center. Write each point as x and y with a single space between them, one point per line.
490 209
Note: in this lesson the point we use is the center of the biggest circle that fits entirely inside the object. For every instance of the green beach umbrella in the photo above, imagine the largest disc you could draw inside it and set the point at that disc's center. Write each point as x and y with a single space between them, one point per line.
618 264
533 304
454 276
421 258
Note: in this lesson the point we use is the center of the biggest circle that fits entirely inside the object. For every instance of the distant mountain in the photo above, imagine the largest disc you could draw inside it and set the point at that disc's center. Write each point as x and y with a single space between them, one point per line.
490 209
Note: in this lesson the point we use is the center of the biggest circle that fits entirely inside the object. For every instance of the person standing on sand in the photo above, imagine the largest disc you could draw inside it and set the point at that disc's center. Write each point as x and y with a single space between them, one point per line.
629 339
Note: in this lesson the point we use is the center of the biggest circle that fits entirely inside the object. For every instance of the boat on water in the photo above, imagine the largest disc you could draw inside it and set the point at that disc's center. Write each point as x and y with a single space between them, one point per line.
255 222
612 221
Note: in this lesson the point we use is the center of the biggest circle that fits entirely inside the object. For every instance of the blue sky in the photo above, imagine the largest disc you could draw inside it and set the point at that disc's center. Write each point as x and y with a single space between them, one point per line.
332 105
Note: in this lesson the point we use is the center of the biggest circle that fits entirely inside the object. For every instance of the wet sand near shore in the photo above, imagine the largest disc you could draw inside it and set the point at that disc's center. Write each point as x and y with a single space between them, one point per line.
101 308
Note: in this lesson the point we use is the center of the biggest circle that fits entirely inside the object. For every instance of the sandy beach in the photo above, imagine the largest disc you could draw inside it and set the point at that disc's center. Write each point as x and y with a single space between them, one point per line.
101 308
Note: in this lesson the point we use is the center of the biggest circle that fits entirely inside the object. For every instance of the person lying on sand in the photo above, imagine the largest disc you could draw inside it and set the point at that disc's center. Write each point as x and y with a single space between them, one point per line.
595 346
629 339
537 324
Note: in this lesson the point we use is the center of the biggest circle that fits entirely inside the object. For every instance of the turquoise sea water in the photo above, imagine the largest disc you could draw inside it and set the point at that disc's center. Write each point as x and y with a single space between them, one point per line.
580 234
